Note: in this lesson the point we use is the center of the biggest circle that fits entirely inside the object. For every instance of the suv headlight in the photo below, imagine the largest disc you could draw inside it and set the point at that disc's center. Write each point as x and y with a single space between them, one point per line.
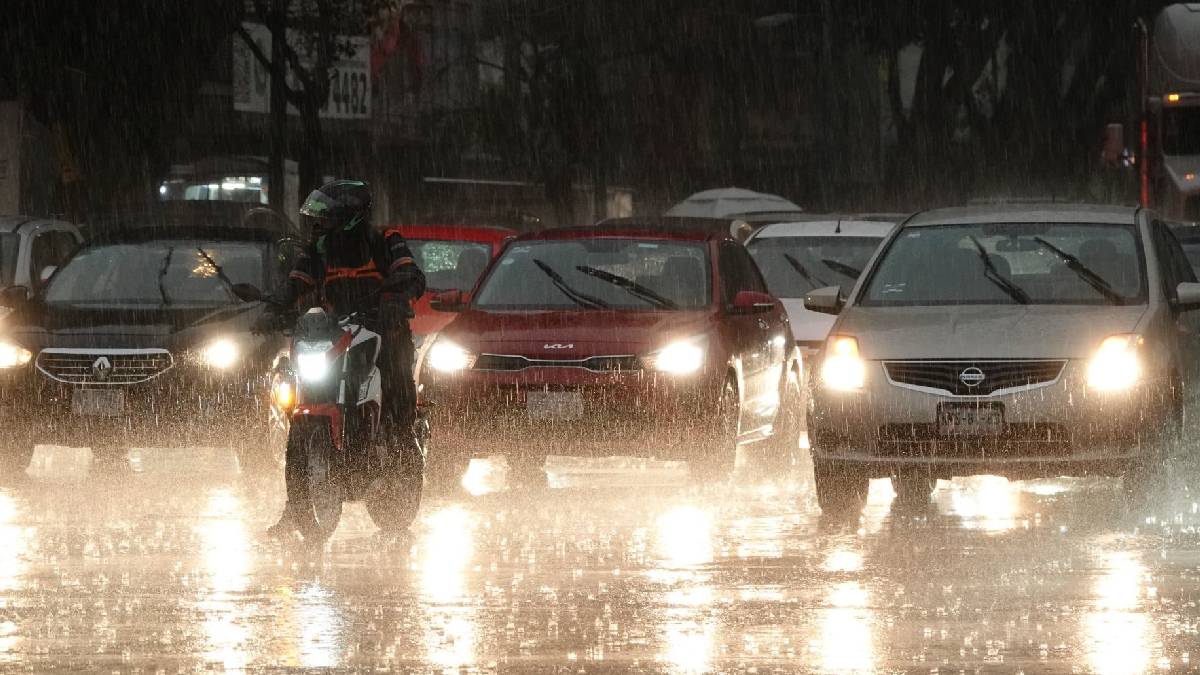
447 357
843 369
222 353
12 356
1117 364
682 357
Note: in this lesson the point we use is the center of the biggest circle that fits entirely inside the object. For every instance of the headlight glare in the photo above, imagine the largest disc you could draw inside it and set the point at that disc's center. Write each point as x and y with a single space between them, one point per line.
843 369
447 357
222 353
284 394
12 355
679 358
311 363
1116 365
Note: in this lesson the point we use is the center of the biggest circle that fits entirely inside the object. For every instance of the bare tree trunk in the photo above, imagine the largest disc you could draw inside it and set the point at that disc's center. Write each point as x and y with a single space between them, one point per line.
277 176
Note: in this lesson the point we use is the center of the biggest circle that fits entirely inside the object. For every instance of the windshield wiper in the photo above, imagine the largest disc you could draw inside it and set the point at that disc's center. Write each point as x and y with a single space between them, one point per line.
630 286
1084 272
162 274
581 299
816 281
842 268
220 272
993 275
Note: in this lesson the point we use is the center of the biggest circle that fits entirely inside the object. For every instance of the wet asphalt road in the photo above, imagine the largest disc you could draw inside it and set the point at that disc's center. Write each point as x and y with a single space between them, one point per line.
162 566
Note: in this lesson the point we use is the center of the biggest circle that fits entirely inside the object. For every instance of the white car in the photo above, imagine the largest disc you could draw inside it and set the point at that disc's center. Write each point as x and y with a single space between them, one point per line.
32 248
1027 342
799 257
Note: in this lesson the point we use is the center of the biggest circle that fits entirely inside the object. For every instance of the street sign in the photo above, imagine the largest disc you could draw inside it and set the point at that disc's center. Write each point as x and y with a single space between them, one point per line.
349 75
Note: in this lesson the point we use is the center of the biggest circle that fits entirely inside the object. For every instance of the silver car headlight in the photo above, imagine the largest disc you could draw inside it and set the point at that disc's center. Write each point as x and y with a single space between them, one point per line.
843 369
1117 364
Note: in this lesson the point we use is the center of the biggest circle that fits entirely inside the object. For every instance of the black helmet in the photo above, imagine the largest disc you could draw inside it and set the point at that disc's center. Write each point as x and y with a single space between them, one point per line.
340 205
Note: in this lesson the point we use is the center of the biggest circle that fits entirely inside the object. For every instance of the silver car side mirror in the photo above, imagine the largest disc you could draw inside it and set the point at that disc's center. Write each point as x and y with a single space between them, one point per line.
826 300
1187 296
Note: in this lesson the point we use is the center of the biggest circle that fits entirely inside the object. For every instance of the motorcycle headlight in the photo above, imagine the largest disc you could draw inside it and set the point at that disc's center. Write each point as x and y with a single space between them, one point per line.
12 356
284 394
843 369
1116 365
311 362
447 357
682 357
221 354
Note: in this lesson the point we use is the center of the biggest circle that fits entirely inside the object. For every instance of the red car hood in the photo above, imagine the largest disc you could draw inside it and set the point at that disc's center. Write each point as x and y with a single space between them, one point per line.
576 334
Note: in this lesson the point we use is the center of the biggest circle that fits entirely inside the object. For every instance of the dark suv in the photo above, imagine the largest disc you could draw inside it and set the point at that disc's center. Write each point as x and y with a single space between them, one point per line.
139 338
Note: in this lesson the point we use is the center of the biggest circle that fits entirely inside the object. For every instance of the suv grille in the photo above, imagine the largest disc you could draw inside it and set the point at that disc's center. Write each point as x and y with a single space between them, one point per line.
87 367
598 364
954 377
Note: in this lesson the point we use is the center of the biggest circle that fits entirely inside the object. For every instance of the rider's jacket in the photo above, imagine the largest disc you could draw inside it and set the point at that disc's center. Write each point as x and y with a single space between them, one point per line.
354 270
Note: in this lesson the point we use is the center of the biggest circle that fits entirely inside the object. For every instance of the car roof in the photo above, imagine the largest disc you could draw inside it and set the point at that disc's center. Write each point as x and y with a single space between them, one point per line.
826 228
454 232
10 224
1027 213
624 231
213 220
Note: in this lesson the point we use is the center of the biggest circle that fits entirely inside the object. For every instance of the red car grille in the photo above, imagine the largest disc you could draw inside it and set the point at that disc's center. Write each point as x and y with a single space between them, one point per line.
597 364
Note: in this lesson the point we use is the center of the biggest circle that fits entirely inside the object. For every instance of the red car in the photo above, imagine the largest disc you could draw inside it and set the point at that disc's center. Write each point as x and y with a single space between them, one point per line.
613 340
453 257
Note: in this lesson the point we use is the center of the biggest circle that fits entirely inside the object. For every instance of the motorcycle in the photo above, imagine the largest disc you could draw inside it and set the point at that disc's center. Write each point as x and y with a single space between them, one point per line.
326 390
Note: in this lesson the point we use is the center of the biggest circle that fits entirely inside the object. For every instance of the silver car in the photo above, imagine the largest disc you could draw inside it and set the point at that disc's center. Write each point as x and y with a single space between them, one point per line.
1024 341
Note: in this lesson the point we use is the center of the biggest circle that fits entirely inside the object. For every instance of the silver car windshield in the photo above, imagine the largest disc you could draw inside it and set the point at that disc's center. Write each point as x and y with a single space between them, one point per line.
10 246
1023 263
602 273
794 266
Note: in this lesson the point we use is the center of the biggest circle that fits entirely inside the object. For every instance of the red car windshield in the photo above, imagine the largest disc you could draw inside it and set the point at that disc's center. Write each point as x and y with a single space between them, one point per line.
600 274
451 265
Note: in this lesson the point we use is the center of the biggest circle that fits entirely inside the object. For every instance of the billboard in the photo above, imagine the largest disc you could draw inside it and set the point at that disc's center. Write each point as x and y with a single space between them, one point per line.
350 75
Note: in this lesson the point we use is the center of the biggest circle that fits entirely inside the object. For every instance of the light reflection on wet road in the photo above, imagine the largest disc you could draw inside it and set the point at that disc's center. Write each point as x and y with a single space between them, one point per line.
163 566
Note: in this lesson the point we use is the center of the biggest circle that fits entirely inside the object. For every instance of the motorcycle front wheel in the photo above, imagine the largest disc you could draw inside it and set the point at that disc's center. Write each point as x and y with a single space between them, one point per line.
394 498
313 490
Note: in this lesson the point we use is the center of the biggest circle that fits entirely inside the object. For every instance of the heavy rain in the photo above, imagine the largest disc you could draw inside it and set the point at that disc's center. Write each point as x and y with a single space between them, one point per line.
596 336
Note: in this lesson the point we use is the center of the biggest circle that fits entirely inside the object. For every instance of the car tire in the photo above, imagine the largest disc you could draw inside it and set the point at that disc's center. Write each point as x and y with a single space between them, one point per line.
394 498
312 487
839 489
714 460
785 443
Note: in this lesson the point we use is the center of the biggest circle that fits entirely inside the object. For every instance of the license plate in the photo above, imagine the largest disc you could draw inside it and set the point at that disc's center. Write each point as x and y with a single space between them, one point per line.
554 405
970 420
98 402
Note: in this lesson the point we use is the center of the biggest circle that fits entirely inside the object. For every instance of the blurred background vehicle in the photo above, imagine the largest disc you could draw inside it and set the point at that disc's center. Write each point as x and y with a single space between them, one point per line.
796 258
613 340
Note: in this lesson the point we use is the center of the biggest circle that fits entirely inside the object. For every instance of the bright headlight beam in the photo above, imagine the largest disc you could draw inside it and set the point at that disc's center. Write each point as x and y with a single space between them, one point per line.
12 355
843 369
1115 365
447 357
679 358
222 353
312 366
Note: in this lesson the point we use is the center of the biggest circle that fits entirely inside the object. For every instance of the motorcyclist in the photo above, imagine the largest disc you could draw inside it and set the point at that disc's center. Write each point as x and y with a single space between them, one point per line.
349 266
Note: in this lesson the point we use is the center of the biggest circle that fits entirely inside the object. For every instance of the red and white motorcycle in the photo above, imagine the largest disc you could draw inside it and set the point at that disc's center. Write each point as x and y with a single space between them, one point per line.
327 391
